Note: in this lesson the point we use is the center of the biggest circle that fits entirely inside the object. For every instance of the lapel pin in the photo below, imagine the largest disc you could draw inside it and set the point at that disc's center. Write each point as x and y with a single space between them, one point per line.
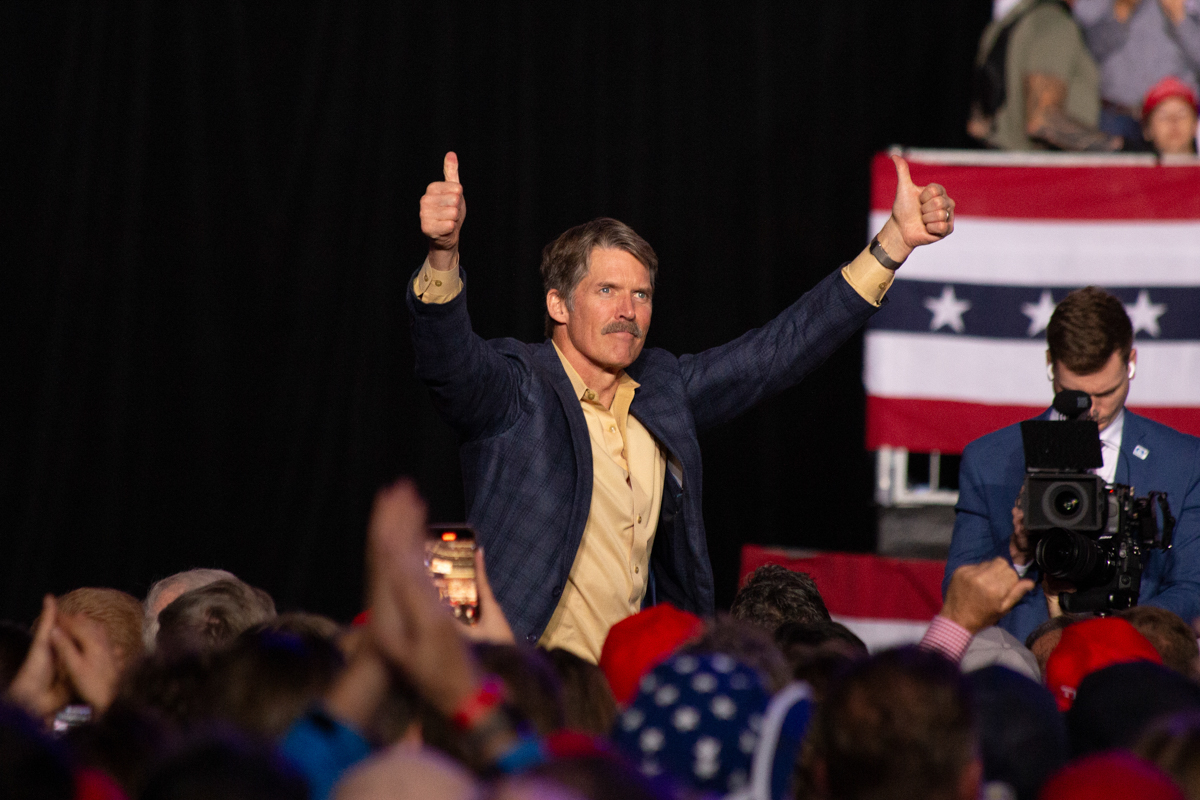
1141 452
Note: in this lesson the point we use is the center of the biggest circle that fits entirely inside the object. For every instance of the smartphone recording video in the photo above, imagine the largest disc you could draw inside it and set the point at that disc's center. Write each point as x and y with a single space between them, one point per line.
450 561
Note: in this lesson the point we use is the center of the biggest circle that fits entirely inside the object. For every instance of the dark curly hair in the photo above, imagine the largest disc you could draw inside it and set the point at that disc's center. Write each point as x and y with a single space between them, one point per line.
773 595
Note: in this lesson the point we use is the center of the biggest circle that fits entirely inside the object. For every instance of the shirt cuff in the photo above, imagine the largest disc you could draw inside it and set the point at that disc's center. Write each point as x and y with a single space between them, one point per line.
437 286
946 637
868 277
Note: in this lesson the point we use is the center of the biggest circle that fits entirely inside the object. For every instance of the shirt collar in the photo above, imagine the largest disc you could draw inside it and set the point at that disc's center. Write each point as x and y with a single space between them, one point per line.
581 389
1111 435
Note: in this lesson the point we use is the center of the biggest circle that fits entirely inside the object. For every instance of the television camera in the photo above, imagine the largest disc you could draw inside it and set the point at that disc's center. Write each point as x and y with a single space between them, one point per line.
1089 534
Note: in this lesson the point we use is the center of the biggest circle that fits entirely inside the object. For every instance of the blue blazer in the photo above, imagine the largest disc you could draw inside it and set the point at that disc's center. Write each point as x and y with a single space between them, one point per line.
993 469
527 459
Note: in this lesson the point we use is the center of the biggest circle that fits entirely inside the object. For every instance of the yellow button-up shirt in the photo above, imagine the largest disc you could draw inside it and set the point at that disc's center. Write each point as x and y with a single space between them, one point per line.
608 578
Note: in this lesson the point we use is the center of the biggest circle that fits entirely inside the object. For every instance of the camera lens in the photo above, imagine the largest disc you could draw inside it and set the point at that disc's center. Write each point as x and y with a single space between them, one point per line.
1071 556
1065 504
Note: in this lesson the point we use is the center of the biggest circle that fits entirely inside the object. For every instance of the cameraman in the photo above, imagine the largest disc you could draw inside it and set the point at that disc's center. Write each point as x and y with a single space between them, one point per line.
1090 349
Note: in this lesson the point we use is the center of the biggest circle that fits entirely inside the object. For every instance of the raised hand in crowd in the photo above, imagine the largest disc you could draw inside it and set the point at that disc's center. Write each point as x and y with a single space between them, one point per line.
36 687
83 649
411 627
980 594
443 209
70 656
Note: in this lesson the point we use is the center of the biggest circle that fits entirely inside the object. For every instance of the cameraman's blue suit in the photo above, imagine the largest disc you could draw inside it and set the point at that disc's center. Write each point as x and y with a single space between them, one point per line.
526 455
993 469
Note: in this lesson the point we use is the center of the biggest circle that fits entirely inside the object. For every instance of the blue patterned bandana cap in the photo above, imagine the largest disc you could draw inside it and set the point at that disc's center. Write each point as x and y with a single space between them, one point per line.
697 718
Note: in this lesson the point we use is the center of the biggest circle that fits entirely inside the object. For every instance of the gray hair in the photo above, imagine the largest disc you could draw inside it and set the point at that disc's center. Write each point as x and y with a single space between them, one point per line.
163 592
210 617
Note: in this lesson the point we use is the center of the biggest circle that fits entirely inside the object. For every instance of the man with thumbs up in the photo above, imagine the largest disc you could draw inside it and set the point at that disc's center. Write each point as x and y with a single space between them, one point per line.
580 454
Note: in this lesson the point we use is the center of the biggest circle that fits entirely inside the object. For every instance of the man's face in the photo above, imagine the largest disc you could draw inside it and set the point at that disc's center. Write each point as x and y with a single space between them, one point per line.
610 316
1108 386
1171 127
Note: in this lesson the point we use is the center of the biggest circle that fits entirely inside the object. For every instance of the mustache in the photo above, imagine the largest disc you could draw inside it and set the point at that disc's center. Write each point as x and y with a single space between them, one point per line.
623 326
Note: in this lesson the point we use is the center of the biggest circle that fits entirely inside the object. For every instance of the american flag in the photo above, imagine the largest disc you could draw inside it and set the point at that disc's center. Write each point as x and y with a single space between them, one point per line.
960 349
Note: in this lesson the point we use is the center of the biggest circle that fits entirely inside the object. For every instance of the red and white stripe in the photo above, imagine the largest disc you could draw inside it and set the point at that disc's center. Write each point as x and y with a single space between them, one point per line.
1032 221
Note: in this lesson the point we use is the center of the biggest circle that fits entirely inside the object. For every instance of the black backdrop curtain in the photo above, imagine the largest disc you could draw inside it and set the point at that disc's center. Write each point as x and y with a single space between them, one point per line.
209 216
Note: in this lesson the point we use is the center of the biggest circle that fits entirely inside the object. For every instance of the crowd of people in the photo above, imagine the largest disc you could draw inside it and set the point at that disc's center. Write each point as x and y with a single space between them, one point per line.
203 690
596 667
1089 75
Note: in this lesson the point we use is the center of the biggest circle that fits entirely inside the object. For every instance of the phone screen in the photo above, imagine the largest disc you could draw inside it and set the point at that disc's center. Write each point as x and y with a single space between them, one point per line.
450 561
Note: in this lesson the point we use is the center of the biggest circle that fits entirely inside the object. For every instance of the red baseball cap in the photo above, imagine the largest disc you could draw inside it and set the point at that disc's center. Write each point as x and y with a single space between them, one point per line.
639 642
1168 87
1091 645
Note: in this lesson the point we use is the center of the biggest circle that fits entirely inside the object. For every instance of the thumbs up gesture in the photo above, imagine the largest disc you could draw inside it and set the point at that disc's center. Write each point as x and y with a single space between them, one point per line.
443 210
924 214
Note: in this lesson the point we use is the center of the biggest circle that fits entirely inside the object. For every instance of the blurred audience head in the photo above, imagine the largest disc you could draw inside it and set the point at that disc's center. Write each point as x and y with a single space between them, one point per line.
1115 704
748 643
1022 736
1115 775
32 767
408 773
267 678
124 744
163 592
897 725
773 595
638 642
211 617
1091 645
697 719
225 765
1173 745
531 787
592 777
1042 640
118 613
816 651
1173 638
1169 117
588 703
998 646
173 686
303 623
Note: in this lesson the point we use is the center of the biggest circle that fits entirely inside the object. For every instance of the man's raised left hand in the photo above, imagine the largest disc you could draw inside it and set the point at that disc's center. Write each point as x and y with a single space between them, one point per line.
923 214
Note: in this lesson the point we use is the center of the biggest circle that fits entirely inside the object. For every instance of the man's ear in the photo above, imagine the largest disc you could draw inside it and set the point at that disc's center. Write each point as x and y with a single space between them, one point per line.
556 307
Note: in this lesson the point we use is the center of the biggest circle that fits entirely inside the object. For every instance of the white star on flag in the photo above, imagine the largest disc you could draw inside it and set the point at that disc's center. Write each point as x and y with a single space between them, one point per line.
1039 313
947 310
1144 314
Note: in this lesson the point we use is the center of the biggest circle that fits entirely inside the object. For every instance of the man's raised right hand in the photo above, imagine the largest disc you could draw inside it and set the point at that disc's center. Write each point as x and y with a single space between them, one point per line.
443 209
